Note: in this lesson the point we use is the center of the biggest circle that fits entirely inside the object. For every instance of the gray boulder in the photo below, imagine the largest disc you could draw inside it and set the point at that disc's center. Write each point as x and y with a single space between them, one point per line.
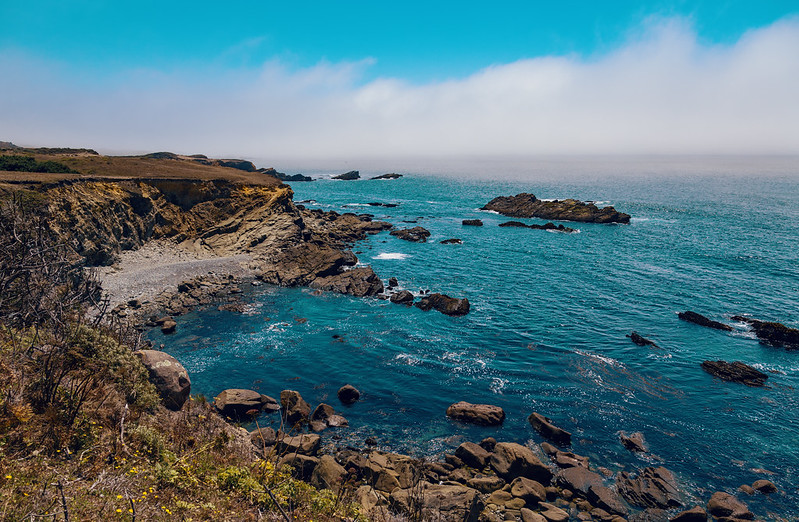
168 376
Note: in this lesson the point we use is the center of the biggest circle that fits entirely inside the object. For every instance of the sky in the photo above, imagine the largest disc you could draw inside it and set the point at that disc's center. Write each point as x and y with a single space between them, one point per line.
371 79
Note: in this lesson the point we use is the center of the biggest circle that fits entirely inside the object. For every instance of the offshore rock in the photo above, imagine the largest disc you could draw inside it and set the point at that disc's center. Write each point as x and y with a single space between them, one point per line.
546 226
351 175
242 404
451 241
633 442
481 414
773 334
402 297
391 175
415 234
528 206
168 376
544 426
764 486
641 341
735 372
725 505
348 394
360 282
472 222
445 304
701 320
653 487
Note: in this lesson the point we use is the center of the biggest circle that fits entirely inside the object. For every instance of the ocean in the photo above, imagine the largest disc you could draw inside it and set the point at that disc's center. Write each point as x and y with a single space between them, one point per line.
549 316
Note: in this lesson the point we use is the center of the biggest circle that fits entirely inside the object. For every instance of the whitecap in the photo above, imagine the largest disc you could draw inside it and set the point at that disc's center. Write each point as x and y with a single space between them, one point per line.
407 359
497 385
607 360
391 255
489 211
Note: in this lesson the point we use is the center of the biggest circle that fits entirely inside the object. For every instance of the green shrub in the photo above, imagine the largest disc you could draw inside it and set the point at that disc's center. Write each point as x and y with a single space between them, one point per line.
16 163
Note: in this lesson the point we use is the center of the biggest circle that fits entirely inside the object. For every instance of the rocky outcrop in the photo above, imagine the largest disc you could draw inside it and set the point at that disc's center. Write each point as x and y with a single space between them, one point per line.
348 176
444 502
510 460
725 505
641 341
735 372
391 175
473 455
546 226
528 206
701 320
324 417
445 304
242 404
291 177
360 282
633 442
295 409
652 488
773 334
695 514
168 376
482 414
764 486
546 428
415 234
302 264
472 222
348 394
402 297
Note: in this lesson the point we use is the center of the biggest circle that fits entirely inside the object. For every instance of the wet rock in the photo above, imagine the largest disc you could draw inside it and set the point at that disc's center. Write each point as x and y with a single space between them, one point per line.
633 442
774 334
701 320
472 455
391 175
328 474
764 486
653 487
360 282
641 341
392 282
528 206
511 460
544 426
295 409
348 394
402 297
447 503
695 514
735 372
445 304
169 377
415 234
451 241
243 404
168 326
530 491
567 459
472 222
725 505
578 479
348 176
482 414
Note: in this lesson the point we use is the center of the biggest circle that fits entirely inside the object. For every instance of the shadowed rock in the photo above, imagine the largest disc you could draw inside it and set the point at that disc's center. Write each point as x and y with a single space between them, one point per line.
472 222
546 226
528 206
701 320
641 341
774 334
735 372
415 234
451 241
445 304
402 297
472 455
391 175
348 394
295 409
633 442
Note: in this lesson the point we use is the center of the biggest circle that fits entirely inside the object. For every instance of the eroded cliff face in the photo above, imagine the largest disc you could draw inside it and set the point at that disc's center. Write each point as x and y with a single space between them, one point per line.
99 219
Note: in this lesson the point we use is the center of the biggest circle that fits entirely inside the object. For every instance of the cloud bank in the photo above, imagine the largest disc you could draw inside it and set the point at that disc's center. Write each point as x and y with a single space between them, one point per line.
663 92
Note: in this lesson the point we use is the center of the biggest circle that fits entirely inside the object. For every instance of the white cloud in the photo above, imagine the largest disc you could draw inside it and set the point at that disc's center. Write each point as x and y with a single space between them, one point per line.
662 92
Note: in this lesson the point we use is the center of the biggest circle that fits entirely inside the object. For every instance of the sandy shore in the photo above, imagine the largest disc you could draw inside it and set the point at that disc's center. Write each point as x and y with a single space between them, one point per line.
161 265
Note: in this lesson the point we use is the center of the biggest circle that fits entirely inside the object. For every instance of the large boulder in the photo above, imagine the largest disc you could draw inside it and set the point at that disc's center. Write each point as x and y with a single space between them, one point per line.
701 320
695 514
511 460
415 234
653 487
578 479
304 444
360 282
472 455
295 409
546 428
168 376
242 404
774 334
447 503
348 176
445 304
528 206
348 394
725 505
328 474
735 372
607 499
402 297
303 465
529 490
324 416
482 414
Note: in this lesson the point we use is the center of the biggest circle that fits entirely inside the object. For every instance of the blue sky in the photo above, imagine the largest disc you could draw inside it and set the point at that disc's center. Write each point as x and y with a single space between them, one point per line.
301 64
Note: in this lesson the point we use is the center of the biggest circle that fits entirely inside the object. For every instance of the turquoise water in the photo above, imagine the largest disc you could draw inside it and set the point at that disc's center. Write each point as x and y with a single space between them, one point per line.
547 328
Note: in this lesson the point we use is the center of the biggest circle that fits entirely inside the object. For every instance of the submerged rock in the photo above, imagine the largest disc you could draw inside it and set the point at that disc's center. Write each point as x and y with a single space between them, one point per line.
348 176
415 234
451 241
544 426
528 206
641 341
472 222
168 376
701 320
735 372
482 414
774 334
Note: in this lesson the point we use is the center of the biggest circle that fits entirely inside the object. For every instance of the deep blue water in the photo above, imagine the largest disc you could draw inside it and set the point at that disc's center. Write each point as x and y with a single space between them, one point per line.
547 327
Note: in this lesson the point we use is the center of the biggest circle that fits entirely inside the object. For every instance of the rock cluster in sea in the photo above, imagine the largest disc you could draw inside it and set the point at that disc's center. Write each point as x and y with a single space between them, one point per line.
528 206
